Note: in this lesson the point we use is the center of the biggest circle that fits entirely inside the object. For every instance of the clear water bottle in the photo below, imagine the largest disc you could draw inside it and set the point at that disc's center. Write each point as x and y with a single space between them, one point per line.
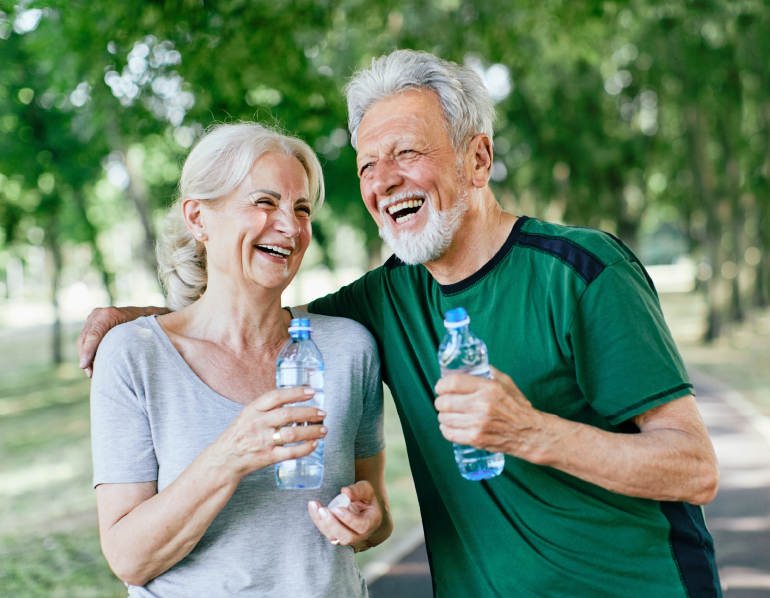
462 352
300 364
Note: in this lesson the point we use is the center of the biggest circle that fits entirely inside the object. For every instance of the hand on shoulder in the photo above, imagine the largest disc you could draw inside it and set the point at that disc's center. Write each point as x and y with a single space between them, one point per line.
99 322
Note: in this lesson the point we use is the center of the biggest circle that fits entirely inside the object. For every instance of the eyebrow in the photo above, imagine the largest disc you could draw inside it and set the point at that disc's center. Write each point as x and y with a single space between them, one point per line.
273 193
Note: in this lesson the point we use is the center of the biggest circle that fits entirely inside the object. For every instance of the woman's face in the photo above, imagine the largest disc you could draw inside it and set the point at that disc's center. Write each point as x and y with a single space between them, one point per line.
258 234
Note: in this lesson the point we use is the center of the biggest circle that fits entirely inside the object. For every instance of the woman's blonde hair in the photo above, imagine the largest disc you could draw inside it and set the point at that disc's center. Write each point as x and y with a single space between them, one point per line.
218 163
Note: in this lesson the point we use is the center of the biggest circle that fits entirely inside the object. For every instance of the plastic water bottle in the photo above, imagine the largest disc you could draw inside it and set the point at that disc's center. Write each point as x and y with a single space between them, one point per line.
300 364
462 352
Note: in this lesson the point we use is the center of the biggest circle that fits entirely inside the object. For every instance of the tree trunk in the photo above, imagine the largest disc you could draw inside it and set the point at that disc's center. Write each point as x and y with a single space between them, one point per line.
107 278
728 123
53 245
137 192
704 182
761 298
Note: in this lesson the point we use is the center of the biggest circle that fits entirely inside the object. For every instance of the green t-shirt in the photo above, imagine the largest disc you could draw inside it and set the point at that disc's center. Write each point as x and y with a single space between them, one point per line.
571 315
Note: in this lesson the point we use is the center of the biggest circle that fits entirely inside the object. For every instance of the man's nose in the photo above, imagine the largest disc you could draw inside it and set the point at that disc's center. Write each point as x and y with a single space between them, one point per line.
386 177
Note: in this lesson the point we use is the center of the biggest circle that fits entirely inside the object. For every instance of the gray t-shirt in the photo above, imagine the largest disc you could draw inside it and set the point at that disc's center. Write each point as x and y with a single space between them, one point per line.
150 418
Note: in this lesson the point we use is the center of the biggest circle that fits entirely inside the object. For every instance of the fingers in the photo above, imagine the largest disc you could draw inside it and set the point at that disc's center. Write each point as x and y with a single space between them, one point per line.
466 436
285 453
88 340
455 403
347 526
362 491
292 434
282 396
458 420
361 521
460 383
285 416
504 379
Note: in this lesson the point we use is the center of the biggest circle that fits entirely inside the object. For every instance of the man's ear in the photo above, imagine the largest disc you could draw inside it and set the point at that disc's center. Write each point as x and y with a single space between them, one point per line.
481 153
193 218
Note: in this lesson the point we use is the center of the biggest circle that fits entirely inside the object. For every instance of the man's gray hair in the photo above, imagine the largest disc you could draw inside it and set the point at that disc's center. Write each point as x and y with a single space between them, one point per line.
464 99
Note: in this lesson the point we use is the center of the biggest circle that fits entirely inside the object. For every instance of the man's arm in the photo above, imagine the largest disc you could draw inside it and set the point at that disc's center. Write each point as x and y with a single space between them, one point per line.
671 459
100 322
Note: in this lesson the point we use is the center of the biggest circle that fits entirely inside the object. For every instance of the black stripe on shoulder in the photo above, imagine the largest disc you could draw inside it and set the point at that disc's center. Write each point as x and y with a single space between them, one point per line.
393 262
693 549
586 265
630 256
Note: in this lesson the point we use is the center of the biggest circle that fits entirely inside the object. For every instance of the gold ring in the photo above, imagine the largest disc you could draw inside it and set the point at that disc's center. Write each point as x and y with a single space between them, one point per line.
334 541
277 438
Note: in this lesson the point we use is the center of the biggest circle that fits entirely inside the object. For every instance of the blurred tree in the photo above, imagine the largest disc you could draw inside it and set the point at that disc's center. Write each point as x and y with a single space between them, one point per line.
612 114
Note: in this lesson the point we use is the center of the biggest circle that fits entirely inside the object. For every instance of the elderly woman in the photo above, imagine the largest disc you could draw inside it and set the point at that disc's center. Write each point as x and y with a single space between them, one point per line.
187 422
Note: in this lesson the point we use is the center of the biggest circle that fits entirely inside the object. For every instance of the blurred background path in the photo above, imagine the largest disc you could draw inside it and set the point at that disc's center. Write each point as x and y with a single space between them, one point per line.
739 517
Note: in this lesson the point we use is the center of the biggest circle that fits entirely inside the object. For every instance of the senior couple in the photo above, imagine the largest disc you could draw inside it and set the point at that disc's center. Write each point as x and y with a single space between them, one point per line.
606 457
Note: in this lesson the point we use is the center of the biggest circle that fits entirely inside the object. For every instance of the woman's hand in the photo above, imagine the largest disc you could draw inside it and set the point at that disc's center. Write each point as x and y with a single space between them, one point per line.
250 442
366 522
351 525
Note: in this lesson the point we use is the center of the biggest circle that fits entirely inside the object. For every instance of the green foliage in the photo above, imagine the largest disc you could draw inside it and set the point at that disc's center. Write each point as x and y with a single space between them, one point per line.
614 112
58 566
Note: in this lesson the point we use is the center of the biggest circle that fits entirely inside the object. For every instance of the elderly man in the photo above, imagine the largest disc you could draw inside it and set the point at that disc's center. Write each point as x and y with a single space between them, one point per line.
606 454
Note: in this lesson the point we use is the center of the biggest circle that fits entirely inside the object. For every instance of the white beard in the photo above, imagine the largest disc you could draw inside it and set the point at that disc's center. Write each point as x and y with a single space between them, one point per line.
429 243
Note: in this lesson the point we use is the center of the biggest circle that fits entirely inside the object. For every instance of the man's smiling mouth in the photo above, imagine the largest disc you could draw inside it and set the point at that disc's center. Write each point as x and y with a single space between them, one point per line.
404 211
274 250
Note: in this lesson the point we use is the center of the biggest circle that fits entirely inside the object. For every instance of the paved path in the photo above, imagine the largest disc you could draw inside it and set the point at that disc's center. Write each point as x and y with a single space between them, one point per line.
739 517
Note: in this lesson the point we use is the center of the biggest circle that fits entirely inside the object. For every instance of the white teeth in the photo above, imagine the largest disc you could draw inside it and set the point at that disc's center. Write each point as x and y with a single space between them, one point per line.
277 249
406 218
411 203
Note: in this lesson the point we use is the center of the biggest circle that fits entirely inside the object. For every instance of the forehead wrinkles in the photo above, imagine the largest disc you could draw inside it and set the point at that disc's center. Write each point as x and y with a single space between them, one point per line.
390 129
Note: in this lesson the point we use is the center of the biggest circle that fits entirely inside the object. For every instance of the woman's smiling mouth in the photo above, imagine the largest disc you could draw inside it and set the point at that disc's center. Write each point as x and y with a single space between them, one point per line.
274 250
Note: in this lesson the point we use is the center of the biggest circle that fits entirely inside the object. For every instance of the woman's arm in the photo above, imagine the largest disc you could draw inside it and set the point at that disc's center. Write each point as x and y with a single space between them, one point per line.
144 532
367 521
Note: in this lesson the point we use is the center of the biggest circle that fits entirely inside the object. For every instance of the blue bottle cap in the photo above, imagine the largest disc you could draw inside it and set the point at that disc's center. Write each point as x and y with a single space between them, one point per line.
456 318
298 324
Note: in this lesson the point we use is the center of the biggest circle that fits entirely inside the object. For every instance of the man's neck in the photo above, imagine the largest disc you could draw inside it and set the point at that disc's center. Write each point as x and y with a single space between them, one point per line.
483 232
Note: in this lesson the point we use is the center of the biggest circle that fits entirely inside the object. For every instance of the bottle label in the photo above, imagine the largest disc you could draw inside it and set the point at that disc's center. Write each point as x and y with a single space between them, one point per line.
292 375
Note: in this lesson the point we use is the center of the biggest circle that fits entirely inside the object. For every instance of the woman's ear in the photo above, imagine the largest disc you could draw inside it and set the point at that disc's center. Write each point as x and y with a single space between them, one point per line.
193 218
480 149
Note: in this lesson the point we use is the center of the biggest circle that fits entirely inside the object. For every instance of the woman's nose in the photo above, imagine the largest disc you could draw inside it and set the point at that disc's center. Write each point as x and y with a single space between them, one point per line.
286 221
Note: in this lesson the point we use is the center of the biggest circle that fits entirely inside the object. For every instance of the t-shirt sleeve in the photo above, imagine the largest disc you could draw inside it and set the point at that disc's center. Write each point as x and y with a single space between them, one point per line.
370 438
625 358
121 438
358 301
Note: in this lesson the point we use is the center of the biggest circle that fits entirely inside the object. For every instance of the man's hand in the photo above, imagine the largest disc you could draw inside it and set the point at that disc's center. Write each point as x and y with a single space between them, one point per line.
99 323
489 414
671 459
352 525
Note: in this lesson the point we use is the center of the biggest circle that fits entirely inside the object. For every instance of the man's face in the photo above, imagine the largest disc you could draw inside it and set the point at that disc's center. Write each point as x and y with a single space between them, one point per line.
411 181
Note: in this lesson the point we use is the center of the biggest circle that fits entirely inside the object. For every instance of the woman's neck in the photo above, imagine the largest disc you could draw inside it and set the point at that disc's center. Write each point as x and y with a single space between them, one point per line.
242 319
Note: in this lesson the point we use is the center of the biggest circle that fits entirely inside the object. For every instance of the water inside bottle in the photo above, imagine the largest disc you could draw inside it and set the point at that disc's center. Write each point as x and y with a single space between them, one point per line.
469 358
306 472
